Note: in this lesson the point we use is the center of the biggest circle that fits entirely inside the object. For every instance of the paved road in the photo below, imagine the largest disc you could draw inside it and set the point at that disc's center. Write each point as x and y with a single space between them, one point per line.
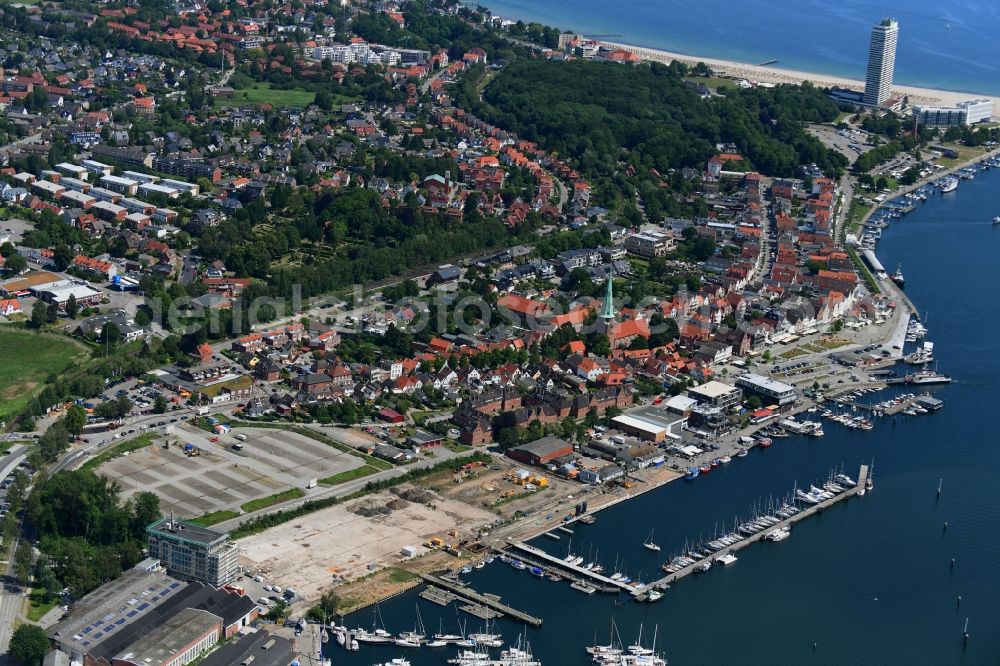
10 604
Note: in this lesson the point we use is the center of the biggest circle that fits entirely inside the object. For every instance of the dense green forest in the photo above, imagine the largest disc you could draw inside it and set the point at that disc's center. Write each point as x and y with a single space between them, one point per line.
600 113
86 534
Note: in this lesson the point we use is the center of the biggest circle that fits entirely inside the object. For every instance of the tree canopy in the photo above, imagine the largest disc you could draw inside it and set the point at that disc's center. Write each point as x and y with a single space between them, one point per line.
600 113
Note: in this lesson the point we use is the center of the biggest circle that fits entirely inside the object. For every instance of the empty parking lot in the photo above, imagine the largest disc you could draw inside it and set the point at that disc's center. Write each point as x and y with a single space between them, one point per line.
289 454
189 486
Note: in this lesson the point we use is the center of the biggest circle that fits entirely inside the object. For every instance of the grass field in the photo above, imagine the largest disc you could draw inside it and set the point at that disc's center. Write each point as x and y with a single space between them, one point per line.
262 93
210 519
270 500
348 475
965 154
37 606
26 359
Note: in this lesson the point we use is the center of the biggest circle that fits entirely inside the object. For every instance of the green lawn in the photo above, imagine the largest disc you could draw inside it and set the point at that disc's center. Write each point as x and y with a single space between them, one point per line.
348 475
398 575
26 360
262 93
37 606
127 446
271 500
965 154
210 519
455 446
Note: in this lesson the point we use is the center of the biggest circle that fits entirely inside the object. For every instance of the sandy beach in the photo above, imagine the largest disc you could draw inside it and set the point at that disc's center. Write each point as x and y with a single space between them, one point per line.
771 74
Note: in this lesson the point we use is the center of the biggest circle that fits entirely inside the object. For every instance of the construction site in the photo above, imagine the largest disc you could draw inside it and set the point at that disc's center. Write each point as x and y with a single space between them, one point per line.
374 547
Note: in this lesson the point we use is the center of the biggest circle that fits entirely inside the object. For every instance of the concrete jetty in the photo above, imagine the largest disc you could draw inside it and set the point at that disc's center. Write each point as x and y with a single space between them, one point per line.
481 599
810 510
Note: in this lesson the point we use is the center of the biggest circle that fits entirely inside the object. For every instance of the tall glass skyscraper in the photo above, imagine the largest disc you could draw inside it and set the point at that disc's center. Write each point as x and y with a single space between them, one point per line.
881 60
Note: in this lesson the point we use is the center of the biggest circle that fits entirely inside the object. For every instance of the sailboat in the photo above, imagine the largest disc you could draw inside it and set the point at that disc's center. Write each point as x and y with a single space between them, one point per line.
449 638
413 638
648 544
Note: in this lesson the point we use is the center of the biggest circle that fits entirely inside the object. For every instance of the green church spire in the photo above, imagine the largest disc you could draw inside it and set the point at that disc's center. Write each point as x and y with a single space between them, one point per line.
608 312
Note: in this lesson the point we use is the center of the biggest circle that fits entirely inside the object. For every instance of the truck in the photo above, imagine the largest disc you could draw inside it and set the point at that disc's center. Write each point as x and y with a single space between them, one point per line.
202 411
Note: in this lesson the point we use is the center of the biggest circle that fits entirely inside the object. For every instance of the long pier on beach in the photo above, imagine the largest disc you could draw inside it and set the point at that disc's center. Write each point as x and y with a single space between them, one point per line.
811 510
481 599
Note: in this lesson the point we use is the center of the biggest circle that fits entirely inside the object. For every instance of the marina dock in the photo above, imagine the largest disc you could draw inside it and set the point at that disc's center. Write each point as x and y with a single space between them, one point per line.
603 582
887 411
481 599
437 596
806 512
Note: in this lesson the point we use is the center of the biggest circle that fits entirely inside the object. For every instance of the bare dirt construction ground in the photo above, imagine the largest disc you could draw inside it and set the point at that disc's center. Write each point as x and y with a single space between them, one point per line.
342 542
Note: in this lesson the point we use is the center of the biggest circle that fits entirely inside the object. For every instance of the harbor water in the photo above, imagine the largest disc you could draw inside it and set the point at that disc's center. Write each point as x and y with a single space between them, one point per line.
949 46
871 579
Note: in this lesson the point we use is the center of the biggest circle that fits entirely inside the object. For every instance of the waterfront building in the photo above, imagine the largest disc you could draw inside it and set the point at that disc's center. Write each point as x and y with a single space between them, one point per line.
881 62
191 552
717 394
767 389
962 114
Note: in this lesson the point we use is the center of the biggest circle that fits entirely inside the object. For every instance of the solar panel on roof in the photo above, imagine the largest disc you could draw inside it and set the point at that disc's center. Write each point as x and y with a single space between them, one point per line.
144 607
174 585
133 613
121 621
88 630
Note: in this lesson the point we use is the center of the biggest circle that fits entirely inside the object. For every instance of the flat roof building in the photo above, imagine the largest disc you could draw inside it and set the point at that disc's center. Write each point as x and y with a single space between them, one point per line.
78 199
74 184
72 170
48 189
100 168
111 610
109 211
58 293
117 184
263 648
155 188
768 389
962 114
181 185
102 194
140 177
192 552
717 394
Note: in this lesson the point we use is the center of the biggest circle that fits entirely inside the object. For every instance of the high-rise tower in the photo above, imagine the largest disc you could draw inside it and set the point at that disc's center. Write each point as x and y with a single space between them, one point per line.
881 61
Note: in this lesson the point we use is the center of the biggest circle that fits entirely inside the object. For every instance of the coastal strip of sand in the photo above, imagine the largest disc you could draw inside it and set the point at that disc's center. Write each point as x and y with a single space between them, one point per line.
777 75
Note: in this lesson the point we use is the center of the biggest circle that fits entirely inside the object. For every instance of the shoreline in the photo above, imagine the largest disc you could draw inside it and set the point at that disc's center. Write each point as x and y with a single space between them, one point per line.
778 75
